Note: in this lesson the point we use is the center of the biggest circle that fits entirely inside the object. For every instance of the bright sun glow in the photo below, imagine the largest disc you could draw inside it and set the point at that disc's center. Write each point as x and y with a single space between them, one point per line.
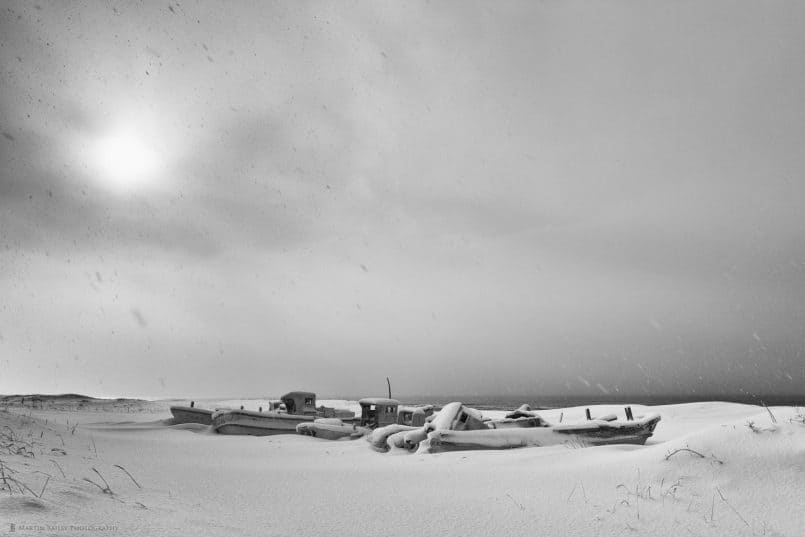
124 161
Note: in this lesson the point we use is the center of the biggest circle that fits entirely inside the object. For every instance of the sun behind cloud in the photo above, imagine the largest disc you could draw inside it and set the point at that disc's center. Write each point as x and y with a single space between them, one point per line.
124 160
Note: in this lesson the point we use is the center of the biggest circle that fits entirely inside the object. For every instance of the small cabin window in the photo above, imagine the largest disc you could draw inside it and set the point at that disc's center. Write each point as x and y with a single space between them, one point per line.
408 416
390 410
308 401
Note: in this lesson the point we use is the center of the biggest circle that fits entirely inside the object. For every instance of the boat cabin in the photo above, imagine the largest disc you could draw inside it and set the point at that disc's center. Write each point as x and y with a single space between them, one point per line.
299 402
468 419
378 412
457 417
415 416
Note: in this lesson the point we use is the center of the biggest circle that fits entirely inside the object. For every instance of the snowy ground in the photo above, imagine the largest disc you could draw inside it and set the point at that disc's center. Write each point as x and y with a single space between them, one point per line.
125 472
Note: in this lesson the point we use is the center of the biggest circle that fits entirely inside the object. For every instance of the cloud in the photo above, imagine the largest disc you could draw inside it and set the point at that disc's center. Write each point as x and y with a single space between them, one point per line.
507 196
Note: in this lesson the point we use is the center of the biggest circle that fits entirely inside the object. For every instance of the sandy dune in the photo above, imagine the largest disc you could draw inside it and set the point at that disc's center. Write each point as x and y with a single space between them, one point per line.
126 471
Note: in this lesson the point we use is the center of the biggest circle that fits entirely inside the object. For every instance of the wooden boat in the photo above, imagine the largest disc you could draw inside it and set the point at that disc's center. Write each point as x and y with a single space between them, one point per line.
380 417
376 412
191 414
300 407
412 423
453 417
415 416
379 412
332 429
380 438
594 432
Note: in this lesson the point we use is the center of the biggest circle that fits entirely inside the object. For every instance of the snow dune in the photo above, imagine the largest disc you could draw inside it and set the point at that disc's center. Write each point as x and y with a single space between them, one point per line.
711 469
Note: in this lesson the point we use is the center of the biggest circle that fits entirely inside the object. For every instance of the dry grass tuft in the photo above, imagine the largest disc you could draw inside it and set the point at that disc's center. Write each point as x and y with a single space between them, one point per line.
7 479
59 467
752 427
693 452
773 417
128 474
106 489
728 504
583 492
12 444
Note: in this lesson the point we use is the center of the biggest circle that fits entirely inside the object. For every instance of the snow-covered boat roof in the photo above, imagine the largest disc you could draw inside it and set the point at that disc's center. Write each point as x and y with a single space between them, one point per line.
291 395
377 401
417 409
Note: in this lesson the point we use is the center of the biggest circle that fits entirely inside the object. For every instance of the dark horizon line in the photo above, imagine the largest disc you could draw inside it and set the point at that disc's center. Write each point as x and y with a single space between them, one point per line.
668 397
620 395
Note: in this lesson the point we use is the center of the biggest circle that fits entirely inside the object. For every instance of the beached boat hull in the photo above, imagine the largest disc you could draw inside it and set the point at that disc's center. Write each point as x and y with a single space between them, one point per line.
332 429
187 414
592 433
379 437
613 432
247 422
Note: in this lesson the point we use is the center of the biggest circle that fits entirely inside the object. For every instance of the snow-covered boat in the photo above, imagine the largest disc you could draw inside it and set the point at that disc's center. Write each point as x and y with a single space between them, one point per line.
594 432
416 416
191 414
381 438
386 417
331 429
457 426
376 413
408 434
300 407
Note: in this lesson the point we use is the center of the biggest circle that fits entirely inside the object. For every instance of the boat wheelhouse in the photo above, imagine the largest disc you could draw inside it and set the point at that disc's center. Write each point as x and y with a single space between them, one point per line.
300 407
415 416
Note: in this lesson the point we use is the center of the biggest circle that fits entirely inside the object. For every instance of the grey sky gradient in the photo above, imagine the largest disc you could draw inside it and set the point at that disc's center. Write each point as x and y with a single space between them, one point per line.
515 197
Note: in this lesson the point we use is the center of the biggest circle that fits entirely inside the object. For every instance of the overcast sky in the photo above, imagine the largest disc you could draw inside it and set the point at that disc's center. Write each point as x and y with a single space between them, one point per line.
470 198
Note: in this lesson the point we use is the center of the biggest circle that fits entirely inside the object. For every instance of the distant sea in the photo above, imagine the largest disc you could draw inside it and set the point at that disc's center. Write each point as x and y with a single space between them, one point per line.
510 402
